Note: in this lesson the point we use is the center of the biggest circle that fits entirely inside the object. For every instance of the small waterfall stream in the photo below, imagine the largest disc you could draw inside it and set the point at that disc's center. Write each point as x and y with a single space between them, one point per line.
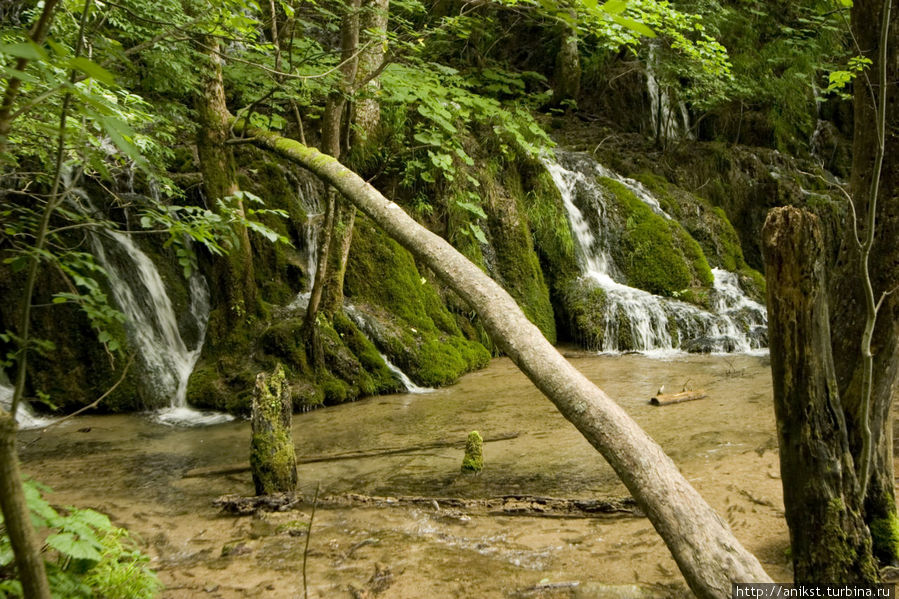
25 416
653 322
152 325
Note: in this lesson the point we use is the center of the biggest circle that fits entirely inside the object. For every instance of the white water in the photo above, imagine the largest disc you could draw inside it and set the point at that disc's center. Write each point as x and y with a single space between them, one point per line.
25 417
360 318
652 323
152 325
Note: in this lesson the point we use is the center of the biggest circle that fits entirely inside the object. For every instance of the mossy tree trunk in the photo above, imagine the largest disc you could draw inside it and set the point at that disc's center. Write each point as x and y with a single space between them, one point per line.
849 314
828 536
273 461
567 84
233 273
337 214
365 115
706 551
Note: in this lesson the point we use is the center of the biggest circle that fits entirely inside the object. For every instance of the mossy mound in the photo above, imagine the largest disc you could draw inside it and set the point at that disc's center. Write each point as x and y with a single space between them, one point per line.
409 321
655 254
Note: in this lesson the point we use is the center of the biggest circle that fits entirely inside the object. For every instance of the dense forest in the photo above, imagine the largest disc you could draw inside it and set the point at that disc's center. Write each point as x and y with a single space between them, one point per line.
218 210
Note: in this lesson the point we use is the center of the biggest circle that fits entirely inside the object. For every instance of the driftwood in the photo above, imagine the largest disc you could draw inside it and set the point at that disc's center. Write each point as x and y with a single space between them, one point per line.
348 455
452 507
666 399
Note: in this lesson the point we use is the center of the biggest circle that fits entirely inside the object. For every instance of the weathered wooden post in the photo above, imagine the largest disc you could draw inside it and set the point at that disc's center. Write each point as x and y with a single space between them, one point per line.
273 461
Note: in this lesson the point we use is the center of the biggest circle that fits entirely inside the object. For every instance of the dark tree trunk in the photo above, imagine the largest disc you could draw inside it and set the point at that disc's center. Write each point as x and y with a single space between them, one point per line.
828 536
567 84
707 553
848 311
273 461
16 517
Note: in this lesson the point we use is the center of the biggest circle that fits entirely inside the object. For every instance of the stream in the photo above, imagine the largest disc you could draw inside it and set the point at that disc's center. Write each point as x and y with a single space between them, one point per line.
134 468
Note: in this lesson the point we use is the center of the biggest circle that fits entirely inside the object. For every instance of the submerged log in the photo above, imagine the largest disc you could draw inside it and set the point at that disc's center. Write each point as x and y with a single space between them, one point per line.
273 461
666 399
507 505
347 455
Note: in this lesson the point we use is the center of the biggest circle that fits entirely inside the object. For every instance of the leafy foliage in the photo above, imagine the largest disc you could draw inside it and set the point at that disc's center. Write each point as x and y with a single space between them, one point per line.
86 556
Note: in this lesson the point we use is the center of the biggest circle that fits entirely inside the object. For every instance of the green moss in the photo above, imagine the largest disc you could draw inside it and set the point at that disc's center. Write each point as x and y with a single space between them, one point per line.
272 455
656 254
415 329
885 539
585 307
473 461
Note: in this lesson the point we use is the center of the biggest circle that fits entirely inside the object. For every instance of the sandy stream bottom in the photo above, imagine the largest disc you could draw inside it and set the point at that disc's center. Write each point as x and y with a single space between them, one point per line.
133 470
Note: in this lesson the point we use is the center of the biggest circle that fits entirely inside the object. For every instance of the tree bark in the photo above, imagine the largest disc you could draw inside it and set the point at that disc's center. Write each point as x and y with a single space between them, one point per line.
332 122
273 461
848 317
828 536
705 549
568 64
233 274
16 517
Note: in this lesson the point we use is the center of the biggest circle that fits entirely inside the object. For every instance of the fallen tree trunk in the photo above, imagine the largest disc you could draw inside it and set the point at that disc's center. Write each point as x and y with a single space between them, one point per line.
666 399
705 549
507 505
349 455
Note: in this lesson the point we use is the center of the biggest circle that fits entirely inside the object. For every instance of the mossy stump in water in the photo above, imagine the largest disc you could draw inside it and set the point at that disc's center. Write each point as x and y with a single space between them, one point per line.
474 453
273 461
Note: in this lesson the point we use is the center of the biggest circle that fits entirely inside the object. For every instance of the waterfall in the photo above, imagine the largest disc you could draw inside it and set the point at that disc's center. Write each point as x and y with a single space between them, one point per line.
663 113
25 417
645 321
152 325
361 320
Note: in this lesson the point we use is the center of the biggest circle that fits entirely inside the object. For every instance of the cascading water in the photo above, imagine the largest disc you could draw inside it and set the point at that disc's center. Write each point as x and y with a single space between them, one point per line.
361 320
645 321
25 417
152 325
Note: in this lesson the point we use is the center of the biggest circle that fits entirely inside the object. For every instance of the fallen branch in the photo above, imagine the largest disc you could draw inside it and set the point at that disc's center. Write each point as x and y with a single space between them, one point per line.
349 455
666 399
507 505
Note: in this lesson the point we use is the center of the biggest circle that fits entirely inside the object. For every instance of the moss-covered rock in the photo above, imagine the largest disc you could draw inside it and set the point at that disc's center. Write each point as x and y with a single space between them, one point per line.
273 462
655 254
409 321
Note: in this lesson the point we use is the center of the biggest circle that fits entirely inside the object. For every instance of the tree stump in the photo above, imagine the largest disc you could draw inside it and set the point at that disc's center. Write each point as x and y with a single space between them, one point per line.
273 461
829 539
474 453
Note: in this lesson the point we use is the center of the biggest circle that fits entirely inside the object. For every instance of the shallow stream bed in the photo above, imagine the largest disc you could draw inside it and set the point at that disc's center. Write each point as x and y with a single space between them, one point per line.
135 470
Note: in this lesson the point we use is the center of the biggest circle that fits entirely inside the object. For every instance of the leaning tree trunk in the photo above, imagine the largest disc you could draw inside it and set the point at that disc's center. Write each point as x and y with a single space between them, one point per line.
848 314
828 536
705 549
16 517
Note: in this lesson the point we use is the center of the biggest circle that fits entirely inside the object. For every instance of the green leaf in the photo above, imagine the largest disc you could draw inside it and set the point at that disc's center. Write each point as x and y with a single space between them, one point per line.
614 7
635 26
70 545
473 208
478 233
26 50
92 69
